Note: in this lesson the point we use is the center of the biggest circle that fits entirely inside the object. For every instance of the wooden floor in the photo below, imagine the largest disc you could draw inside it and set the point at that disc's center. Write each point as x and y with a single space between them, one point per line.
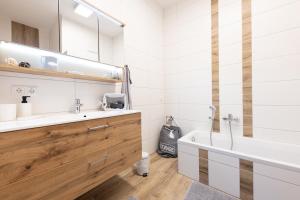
163 183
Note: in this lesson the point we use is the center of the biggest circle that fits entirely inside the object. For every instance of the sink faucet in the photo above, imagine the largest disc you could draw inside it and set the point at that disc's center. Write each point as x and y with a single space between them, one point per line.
77 106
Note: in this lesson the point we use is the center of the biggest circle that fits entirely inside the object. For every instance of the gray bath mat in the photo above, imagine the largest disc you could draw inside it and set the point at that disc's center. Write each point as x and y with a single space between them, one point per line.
132 198
199 191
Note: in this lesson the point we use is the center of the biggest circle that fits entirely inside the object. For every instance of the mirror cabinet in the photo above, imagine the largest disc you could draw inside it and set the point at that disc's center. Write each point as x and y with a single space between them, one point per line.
69 27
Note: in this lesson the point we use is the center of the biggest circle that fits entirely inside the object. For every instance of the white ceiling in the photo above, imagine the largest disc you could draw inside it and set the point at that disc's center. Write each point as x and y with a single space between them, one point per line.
166 3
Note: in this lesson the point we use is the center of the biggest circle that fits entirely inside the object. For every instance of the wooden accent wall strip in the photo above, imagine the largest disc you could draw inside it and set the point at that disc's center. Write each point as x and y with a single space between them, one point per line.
247 68
215 61
246 180
203 166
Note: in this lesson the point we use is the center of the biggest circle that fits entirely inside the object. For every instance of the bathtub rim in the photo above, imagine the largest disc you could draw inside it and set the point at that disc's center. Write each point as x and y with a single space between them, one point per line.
258 159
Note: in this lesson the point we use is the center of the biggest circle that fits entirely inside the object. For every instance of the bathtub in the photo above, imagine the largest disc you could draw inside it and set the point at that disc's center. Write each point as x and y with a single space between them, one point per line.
254 169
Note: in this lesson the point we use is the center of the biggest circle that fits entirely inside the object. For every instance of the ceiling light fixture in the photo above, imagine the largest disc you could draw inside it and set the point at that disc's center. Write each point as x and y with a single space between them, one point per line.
83 11
92 9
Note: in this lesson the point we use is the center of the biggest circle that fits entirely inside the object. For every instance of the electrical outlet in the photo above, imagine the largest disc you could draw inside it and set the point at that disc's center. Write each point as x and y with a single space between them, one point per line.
23 90
31 91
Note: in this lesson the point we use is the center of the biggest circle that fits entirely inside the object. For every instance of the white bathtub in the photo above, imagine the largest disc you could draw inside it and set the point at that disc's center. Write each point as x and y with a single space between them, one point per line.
276 166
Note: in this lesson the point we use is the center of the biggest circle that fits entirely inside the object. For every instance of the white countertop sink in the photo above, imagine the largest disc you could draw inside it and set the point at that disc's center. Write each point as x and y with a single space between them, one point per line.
58 118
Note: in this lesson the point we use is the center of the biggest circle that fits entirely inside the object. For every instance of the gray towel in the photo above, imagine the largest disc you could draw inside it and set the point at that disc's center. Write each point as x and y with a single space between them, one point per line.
126 87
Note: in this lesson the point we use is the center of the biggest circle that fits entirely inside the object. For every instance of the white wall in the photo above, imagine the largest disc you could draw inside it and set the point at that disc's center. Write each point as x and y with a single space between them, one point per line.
187 50
276 48
276 72
53 95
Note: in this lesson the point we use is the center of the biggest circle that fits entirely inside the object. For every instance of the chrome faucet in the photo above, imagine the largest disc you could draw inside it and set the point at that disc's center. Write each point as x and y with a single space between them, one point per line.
77 106
212 118
231 119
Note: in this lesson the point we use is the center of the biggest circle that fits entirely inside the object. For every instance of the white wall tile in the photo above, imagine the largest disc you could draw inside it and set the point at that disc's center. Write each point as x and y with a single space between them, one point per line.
224 3
172 109
264 23
199 60
275 70
192 9
90 94
194 112
282 68
231 94
230 14
277 93
195 78
195 95
52 96
279 44
189 125
277 117
261 6
230 34
231 74
230 54
284 136
187 39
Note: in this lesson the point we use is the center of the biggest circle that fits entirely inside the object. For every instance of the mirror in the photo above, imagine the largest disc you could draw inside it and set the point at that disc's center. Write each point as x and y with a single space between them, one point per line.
111 42
31 23
79 30
70 27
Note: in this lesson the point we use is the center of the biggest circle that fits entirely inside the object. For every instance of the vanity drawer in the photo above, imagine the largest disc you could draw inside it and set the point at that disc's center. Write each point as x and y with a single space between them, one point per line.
38 162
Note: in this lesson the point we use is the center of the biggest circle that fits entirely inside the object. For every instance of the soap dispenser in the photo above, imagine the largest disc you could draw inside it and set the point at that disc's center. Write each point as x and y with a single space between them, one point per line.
24 108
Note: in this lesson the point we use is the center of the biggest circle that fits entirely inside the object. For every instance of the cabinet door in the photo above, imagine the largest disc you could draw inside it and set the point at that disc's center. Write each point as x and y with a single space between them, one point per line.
67 160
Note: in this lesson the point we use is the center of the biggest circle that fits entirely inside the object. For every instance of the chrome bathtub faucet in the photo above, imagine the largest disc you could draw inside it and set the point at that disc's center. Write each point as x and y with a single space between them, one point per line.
212 118
231 119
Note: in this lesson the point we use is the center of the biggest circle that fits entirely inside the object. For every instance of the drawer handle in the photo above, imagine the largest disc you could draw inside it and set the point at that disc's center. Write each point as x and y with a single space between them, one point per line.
98 128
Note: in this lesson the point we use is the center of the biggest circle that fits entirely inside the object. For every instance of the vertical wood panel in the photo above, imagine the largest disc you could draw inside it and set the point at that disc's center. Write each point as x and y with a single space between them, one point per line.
215 61
246 180
203 166
247 68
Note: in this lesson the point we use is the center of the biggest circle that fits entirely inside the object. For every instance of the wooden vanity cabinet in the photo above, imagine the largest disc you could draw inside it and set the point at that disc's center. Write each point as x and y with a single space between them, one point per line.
64 161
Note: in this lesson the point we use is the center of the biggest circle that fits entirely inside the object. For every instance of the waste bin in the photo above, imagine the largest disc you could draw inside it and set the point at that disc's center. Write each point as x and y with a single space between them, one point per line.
142 166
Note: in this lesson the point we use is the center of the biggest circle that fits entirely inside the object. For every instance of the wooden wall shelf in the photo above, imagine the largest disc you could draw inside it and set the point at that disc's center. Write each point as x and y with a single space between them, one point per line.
44 72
